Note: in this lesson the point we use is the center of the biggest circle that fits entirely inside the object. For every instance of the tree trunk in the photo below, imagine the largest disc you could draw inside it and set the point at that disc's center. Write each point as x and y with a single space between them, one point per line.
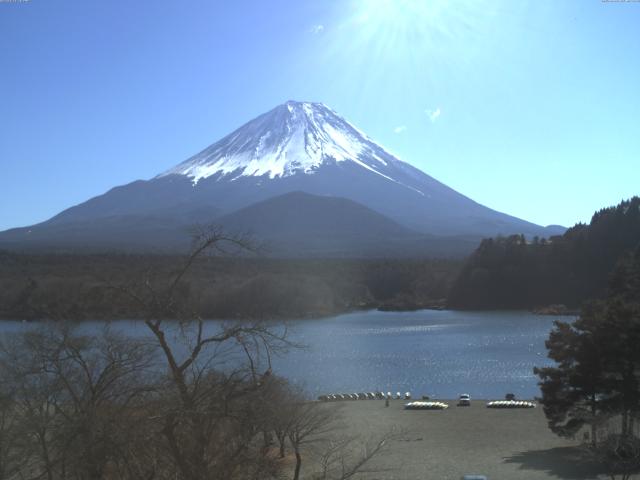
282 452
282 440
296 473
45 455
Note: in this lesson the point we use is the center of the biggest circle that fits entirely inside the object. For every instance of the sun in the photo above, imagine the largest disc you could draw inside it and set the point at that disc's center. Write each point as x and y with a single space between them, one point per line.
407 14
397 19
410 33
401 47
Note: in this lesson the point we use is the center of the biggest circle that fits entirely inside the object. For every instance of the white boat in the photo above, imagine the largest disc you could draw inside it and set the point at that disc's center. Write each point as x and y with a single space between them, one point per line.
426 406
511 404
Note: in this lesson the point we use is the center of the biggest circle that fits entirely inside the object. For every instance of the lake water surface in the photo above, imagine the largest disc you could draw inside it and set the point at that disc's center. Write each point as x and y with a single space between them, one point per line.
439 353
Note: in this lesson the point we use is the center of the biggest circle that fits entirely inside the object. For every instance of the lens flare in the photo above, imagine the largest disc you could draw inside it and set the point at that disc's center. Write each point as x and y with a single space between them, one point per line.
407 40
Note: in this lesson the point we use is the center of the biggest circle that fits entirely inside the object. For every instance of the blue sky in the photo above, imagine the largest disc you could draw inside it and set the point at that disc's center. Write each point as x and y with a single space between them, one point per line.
531 108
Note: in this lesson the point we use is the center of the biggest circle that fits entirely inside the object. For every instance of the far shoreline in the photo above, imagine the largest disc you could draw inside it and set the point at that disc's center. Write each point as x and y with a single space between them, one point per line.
309 316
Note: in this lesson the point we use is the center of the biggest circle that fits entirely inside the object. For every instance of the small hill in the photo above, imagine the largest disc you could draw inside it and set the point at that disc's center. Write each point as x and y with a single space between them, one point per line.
301 224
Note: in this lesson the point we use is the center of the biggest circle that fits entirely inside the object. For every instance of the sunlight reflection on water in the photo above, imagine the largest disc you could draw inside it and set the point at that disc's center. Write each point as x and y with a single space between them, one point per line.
440 353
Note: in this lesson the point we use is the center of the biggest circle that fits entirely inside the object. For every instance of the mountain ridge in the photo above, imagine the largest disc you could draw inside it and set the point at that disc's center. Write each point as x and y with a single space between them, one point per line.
295 147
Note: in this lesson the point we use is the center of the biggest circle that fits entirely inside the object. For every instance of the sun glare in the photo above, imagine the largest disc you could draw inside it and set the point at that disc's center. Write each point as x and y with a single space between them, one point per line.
408 41
412 20
400 14
414 45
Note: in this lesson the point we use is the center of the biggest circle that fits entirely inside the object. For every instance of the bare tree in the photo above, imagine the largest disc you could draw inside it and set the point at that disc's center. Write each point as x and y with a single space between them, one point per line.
74 399
310 423
348 456
208 422
316 430
192 400
11 454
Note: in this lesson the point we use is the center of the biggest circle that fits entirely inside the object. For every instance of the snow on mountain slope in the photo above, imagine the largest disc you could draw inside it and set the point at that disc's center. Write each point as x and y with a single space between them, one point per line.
296 137
296 147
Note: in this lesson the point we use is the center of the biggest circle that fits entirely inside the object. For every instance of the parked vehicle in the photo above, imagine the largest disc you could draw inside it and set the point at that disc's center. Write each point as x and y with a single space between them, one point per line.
464 400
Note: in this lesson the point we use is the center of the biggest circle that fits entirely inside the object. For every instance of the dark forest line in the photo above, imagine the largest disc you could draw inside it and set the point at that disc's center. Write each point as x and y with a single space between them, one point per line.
516 273
88 286
503 273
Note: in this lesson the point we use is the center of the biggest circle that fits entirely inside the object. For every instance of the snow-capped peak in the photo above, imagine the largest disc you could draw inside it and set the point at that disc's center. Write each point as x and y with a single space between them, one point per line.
296 137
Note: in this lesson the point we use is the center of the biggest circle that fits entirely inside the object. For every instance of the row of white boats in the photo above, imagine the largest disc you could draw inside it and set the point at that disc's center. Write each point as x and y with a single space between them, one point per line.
495 404
426 406
464 400
511 404
333 397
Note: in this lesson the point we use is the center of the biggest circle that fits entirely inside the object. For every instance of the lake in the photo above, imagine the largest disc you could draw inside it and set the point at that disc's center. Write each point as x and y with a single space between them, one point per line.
439 353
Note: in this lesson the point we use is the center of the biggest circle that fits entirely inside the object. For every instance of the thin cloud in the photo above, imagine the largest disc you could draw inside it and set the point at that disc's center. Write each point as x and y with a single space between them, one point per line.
317 29
433 114
400 129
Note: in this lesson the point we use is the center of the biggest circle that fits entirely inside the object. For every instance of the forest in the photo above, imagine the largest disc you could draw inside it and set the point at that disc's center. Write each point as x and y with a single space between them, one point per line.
511 272
519 273
73 286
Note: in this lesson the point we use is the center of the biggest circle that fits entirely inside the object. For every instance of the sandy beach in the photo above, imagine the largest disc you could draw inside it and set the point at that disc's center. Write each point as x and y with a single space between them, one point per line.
446 444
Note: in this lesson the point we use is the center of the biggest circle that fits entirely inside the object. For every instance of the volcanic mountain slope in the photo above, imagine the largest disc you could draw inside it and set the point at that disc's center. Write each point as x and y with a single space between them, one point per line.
291 225
300 224
296 147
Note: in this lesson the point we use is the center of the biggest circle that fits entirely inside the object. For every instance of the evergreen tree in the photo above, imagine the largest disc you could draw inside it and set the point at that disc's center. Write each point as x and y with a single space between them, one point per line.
597 372
572 392
506 272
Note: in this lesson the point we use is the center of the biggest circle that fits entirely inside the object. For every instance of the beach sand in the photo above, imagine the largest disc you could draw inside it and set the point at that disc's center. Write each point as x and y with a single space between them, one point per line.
446 444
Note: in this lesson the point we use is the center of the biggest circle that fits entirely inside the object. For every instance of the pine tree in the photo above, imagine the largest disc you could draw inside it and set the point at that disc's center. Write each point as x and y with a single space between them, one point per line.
572 392
597 372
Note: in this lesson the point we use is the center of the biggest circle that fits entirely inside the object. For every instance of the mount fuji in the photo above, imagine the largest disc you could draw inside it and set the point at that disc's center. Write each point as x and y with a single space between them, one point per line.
295 175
